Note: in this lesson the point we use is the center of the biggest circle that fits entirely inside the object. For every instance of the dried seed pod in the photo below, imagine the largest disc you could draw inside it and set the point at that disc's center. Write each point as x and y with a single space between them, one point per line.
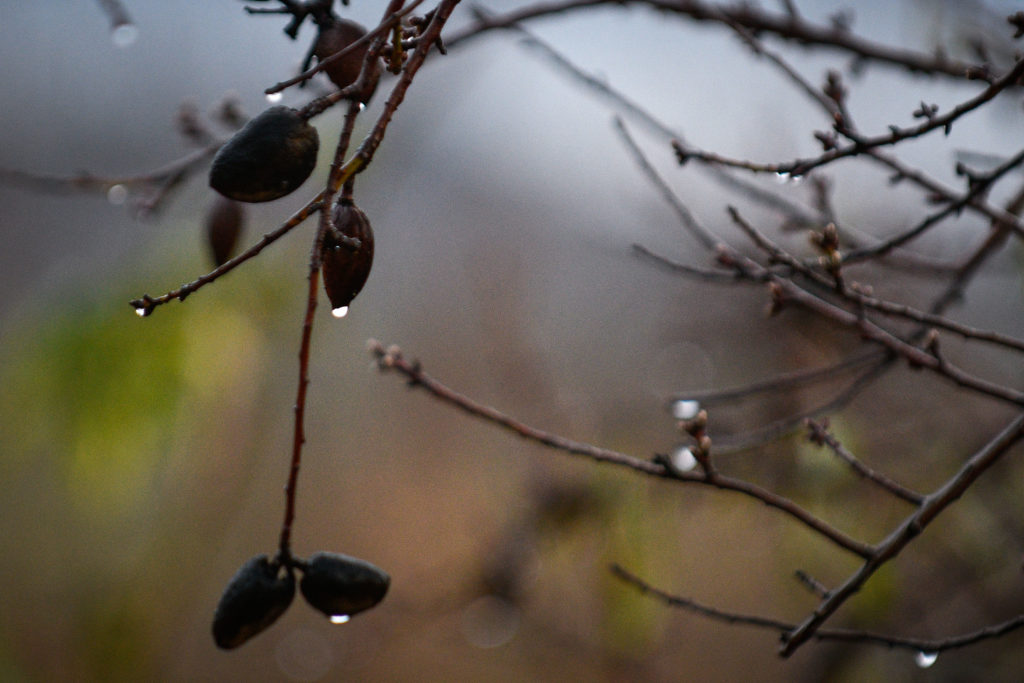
334 36
270 157
223 227
340 586
347 254
255 597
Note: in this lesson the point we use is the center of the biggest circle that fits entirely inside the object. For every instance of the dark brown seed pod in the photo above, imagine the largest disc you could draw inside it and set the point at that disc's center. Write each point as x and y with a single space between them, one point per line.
270 157
340 586
223 227
347 255
255 597
335 36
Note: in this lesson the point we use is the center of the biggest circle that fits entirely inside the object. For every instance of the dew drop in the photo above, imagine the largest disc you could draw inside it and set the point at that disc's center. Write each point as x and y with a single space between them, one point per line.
141 312
340 619
685 409
340 311
362 106
117 194
925 659
274 97
682 459
124 35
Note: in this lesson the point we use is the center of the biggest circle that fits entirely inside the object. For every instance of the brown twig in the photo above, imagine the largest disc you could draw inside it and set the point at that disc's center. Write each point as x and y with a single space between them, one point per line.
860 145
392 359
298 434
145 305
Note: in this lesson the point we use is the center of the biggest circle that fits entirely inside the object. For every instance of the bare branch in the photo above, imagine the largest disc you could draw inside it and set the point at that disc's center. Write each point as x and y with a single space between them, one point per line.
819 434
392 359
841 635
930 508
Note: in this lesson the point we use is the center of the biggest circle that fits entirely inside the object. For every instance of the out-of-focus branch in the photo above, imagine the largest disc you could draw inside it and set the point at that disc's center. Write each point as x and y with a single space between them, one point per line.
930 646
161 180
788 26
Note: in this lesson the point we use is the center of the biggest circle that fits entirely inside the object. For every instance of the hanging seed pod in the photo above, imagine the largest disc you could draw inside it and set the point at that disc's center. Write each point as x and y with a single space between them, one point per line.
347 254
340 586
334 36
255 597
223 227
270 157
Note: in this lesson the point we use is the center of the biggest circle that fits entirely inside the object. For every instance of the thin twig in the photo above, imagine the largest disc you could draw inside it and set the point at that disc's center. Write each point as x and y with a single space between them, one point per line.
834 634
895 135
145 305
819 434
393 359
298 435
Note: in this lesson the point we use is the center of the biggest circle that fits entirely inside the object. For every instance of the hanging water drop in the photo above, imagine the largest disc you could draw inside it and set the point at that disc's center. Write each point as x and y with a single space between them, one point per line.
274 97
685 409
682 459
141 312
925 659
117 194
124 35
340 311
340 619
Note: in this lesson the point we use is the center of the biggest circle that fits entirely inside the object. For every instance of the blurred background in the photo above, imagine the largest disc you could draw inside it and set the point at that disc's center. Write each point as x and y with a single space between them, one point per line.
142 461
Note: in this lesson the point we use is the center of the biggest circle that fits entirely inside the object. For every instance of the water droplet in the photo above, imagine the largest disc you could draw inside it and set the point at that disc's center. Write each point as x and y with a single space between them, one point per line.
340 619
362 106
682 459
117 194
141 312
925 659
275 97
685 409
340 311
124 35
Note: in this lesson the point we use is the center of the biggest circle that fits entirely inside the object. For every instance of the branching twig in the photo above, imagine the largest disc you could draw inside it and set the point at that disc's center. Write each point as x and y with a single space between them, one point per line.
929 509
392 359
930 646
753 18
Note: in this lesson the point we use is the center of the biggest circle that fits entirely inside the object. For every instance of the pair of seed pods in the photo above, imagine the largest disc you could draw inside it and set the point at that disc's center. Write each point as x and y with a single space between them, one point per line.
260 592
